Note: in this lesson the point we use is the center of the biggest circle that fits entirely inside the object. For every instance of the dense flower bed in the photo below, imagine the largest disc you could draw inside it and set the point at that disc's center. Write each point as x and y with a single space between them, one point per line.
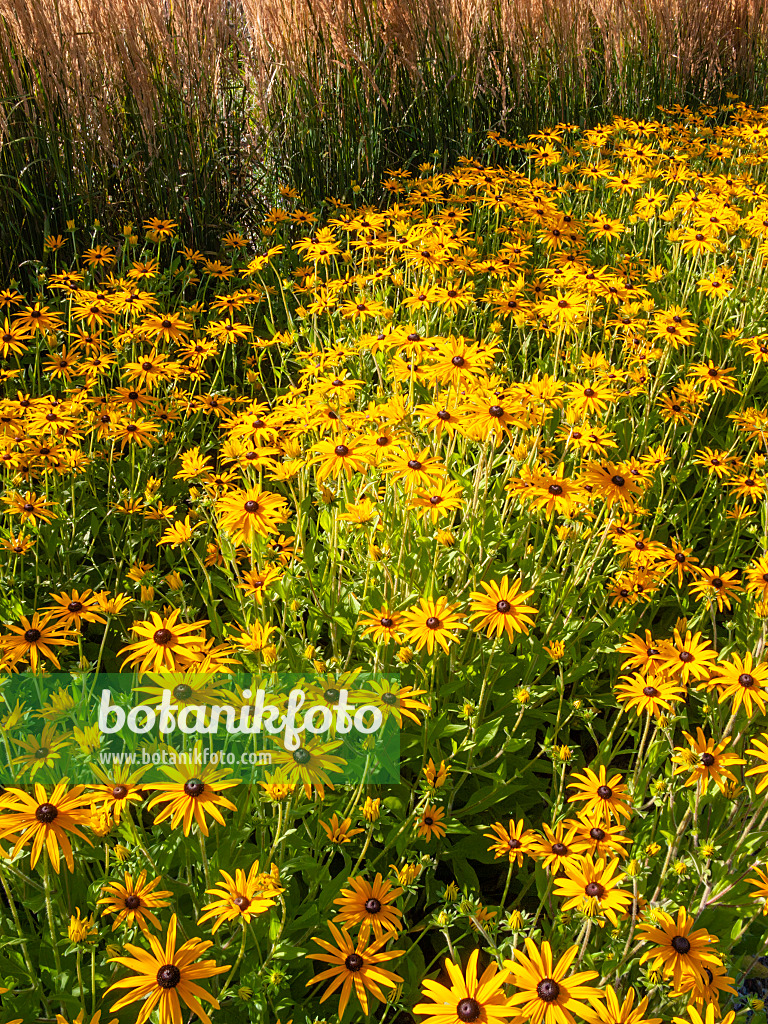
503 439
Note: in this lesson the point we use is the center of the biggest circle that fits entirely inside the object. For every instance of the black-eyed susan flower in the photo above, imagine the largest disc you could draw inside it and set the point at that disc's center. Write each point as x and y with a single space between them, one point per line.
45 820
614 1011
242 897
429 823
502 608
40 751
165 976
743 682
381 625
431 622
558 845
355 967
711 1015
689 658
190 795
651 695
548 994
676 948
34 640
310 763
394 700
165 643
246 513
132 901
603 798
513 842
705 760
118 790
467 998
592 886
370 905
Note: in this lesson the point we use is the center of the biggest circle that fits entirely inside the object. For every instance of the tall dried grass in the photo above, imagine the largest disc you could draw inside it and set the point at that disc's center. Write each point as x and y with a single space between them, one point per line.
128 108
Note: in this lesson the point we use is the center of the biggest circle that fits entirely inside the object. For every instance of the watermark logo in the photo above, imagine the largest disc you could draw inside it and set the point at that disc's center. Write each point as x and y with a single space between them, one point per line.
298 728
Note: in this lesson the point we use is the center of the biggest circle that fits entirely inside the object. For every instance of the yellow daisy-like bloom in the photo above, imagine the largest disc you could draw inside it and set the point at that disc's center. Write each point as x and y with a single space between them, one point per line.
133 902
710 761
430 823
246 513
189 796
604 798
340 831
382 625
761 887
178 533
355 967
759 749
652 695
548 995
432 622
677 949
502 608
615 1012
165 643
711 1015
514 842
34 639
41 752
45 820
369 905
557 845
119 790
744 682
469 999
242 897
164 975
689 658
592 887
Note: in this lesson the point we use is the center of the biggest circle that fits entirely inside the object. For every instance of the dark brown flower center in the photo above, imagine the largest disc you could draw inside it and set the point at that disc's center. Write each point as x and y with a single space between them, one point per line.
555 489
746 680
132 902
163 637
354 962
194 787
468 1010
302 756
686 656
707 759
241 902
168 976
119 792
650 691
414 464
618 481
598 834
46 813
75 606
458 360
32 636
503 607
386 622
251 506
595 890
548 990
604 792
373 906
560 849
681 945
341 450
433 623
183 691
